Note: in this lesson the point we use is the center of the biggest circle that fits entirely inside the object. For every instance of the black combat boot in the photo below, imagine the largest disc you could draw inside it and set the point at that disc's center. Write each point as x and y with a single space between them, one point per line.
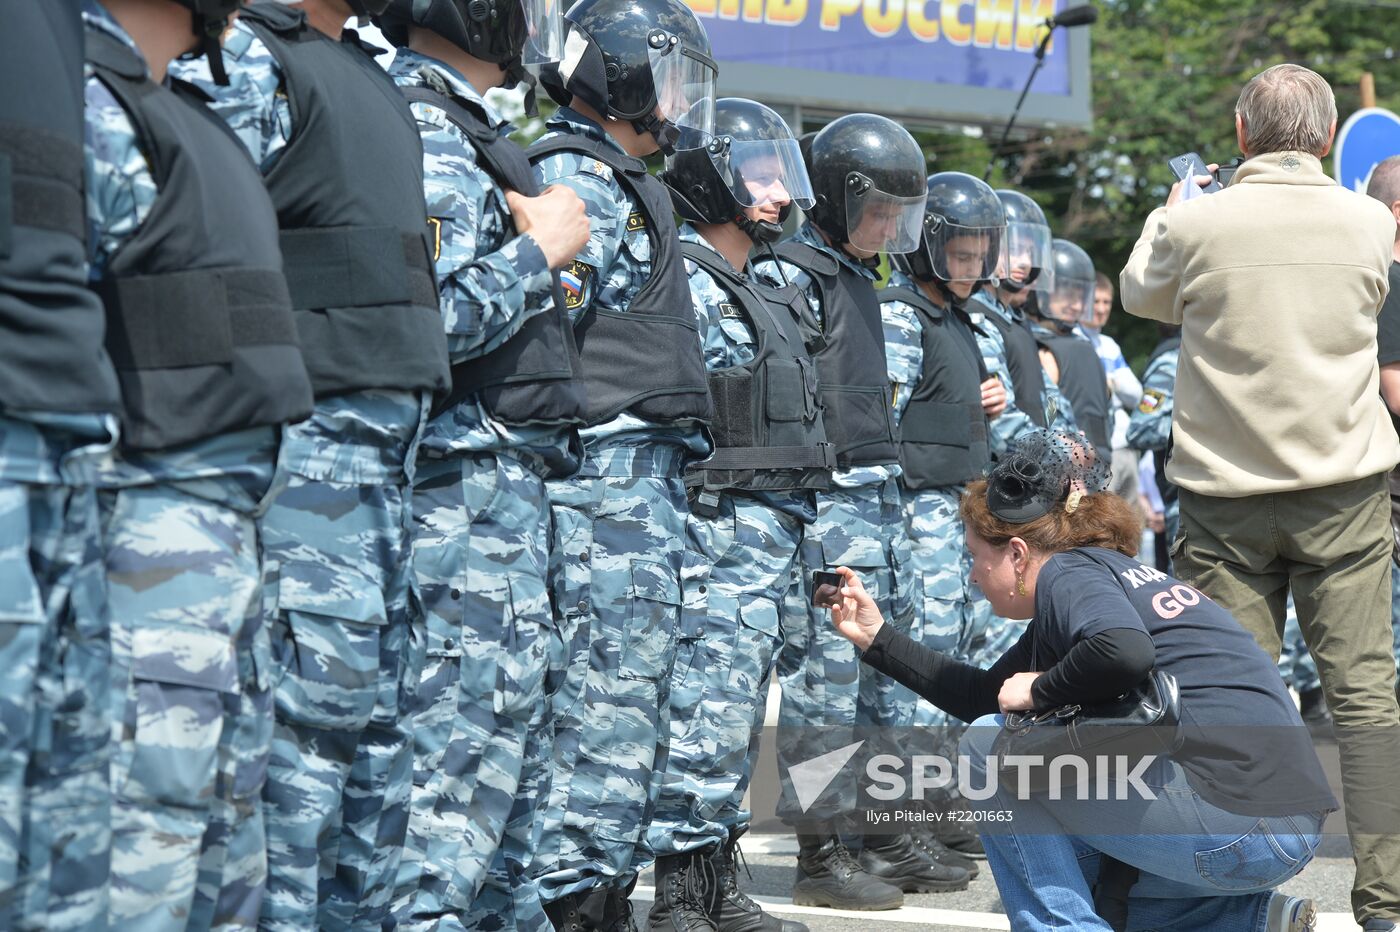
682 886
899 862
727 906
829 875
579 912
957 835
929 844
617 909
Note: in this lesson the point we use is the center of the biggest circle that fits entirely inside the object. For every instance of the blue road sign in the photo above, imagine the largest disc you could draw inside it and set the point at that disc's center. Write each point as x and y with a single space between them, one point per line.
1367 138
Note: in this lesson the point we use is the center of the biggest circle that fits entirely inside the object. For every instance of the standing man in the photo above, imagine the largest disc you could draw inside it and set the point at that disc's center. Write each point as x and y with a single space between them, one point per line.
340 156
868 177
636 78
481 723
59 394
1124 387
1281 441
1068 355
184 252
750 505
946 398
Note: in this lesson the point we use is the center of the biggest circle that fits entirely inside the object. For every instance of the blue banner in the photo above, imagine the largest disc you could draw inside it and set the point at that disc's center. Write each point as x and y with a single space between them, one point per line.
971 43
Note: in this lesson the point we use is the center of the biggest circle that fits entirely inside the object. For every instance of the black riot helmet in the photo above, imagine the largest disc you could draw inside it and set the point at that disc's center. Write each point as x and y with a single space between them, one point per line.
868 177
515 34
1026 259
644 61
963 231
1072 296
752 160
210 21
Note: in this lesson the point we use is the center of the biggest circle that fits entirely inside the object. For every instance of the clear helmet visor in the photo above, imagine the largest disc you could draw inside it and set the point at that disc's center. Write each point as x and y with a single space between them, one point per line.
544 32
880 222
1027 249
962 254
1071 300
684 82
766 171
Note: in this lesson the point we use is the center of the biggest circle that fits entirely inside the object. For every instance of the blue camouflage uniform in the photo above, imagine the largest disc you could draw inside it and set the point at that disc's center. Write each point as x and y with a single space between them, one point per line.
480 551
743 556
945 612
54 705
335 549
1150 424
859 524
615 567
191 674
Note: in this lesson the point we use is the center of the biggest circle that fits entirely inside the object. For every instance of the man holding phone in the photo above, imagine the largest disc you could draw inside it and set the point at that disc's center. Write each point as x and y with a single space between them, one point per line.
1281 440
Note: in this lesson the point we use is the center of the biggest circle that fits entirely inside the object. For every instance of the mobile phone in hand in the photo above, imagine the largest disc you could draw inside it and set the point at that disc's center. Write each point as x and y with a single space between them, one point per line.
1191 165
826 588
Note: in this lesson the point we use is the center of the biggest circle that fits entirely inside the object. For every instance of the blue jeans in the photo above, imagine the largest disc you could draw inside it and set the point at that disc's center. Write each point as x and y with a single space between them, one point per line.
1200 866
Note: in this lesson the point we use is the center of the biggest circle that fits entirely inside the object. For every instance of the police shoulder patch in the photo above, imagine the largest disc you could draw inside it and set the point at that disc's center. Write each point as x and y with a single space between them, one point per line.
636 220
1151 400
599 168
573 280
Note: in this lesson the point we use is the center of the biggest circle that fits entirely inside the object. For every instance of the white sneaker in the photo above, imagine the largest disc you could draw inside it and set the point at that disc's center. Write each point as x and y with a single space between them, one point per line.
1291 914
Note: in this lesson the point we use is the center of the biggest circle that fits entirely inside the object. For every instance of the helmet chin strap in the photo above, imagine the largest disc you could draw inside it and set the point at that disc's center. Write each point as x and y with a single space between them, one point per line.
666 133
517 74
762 232
209 33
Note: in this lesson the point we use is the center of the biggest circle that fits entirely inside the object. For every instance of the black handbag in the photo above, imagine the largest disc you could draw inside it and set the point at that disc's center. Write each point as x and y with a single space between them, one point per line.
1143 722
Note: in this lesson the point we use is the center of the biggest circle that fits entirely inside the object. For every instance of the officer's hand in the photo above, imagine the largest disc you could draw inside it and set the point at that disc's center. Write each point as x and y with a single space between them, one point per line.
556 220
856 616
993 397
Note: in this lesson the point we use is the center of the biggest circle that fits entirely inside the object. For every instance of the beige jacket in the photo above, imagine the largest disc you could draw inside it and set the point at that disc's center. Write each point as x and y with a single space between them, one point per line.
1276 282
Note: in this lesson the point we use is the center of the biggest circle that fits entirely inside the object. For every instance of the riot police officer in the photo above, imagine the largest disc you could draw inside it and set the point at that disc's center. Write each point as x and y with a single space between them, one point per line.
751 503
58 394
342 161
869 184
638 78
481 519
184 252
948 393
1066 350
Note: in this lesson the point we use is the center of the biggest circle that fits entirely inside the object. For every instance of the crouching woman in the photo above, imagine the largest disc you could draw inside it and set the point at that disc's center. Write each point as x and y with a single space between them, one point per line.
1235 812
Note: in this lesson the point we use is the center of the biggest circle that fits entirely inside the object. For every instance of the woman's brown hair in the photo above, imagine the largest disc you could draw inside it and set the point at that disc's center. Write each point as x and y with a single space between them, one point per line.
1101 520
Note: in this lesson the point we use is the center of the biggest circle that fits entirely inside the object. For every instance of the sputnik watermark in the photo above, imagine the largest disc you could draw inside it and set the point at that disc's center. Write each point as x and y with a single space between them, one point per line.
1066 776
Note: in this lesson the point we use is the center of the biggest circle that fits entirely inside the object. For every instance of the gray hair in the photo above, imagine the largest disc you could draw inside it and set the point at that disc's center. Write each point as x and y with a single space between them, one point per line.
1287 107
1384 185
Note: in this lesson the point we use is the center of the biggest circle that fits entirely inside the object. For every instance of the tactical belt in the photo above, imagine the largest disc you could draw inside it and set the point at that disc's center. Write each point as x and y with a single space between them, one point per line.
194 318
357 267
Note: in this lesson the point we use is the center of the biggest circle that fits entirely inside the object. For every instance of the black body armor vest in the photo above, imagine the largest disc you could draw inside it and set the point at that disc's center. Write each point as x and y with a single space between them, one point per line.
645 360
199 323
51 357
768 423
851 368
1083 382
535 377
349 196
943 434
1023 362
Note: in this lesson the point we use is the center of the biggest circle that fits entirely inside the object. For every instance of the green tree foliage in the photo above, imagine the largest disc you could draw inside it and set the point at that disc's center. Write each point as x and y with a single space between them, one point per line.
1166 75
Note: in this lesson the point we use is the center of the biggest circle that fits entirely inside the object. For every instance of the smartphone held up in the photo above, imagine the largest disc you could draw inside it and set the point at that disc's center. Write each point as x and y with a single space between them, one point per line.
826 589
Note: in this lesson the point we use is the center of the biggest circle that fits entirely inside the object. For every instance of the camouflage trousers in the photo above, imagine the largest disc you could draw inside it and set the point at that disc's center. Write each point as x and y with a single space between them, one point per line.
336 796
480 552
615 565
825 690
738 569
191 705
55 720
